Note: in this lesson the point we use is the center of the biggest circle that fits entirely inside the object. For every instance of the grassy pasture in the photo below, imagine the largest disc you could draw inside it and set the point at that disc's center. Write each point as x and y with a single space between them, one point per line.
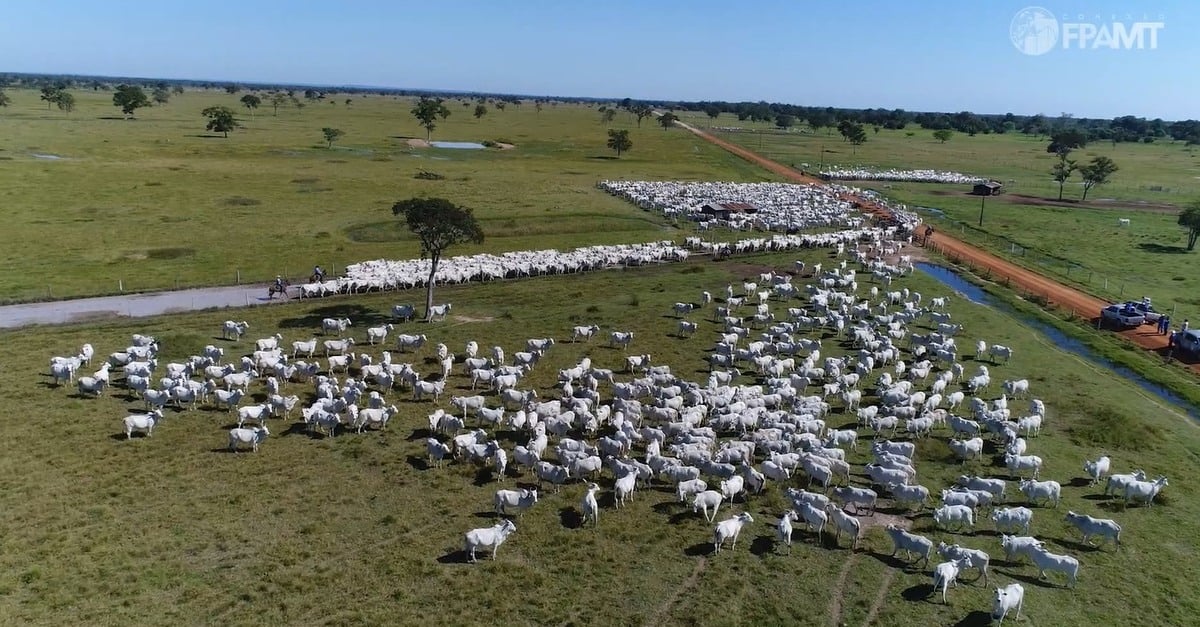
355 529
158 201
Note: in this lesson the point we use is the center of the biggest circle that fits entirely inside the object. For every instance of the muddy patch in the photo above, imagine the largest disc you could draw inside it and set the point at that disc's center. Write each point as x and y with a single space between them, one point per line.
472 319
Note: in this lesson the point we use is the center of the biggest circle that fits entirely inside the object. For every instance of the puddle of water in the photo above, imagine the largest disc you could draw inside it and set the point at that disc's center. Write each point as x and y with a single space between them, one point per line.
47 157
976 295
458 145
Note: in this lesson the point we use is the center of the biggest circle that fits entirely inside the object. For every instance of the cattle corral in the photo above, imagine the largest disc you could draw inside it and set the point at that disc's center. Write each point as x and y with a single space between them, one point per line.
397 535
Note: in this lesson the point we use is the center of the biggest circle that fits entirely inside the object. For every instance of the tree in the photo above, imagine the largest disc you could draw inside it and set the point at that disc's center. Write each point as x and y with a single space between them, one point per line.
1189 218
1069 139
480 111
251 102
313 94
177 90
1063 170
232 88
161 95
130 98
943 134
220 119
785 121
500 105
50 95
277 98
537 106
65 101
668 119
439 224
712 111
619 141
1096 173
857 134
608 116
4 99
349 101
332 135
641 110
427 111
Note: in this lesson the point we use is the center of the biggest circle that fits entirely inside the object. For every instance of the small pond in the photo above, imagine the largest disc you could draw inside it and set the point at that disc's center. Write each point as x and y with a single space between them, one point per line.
458 145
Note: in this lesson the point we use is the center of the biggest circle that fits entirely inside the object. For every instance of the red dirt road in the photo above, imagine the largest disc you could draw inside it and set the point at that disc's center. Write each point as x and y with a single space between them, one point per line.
1024 280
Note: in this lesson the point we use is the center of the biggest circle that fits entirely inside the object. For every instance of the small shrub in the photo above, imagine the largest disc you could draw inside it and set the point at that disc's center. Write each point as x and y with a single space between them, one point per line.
426 175
308 180
633 300
1178 278
322 235
490 144
592 309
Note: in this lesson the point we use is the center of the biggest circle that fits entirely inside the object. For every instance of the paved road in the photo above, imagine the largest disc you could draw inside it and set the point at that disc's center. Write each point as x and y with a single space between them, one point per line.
133 305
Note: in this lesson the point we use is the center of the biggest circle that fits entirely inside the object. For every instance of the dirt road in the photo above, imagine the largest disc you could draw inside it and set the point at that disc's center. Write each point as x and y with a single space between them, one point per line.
1023 280
133 305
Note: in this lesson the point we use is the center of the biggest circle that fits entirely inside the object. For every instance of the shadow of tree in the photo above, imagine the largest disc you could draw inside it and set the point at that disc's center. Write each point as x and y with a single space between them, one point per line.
1152 247
359 315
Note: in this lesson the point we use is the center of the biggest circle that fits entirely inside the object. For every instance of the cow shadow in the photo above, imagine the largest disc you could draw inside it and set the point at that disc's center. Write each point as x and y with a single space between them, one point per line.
491 514
120 437
920 593
891 561
570 518
975 619
417 462
1080 482
1029 579
700 549
1073 545
762 545
456 556
483 477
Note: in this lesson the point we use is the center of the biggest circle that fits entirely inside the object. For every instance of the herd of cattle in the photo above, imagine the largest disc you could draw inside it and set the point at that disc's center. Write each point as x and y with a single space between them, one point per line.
892 174
784 207
778 411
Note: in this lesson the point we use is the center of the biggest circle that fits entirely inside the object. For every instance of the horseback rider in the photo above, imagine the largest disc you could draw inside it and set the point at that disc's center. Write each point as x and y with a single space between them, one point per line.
318 274
278 283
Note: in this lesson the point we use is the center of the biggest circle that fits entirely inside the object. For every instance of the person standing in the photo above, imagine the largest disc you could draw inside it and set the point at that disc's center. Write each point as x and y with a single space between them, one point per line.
1164 324
1183 327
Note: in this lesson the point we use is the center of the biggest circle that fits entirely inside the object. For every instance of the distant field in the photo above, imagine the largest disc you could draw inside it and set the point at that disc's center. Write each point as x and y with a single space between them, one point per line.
158 201
356 529
1079 245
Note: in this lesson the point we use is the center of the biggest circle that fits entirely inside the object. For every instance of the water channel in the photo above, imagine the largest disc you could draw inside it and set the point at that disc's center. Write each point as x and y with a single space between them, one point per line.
976 295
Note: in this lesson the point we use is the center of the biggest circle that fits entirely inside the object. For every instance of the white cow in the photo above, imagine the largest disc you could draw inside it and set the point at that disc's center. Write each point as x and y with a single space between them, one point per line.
910 542
585 332
1015 546
1144 490
957 514
1097 469
379 333
1017 463
1005 599
589 506
335 325
1088 526
705 500
488 538
1037 491
946 574
1045 560
234 330
844 522
729 529
515 500
783 531
1013 519
253 437
979 559
143 423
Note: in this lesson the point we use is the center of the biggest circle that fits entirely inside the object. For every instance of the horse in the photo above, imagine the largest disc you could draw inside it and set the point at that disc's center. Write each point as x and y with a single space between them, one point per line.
274 289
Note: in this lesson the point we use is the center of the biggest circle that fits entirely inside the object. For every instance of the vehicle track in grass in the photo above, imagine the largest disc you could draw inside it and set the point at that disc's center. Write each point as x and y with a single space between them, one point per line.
1023 280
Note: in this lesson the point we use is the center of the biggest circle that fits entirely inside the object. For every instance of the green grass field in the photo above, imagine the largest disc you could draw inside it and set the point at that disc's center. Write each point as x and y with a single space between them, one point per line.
356 529
157 201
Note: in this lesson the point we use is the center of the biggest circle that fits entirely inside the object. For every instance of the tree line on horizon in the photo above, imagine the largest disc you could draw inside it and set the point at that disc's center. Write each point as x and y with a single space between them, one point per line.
1125 128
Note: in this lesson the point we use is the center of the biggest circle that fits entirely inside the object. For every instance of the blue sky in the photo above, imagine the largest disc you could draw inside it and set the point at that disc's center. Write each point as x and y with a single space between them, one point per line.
922 55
